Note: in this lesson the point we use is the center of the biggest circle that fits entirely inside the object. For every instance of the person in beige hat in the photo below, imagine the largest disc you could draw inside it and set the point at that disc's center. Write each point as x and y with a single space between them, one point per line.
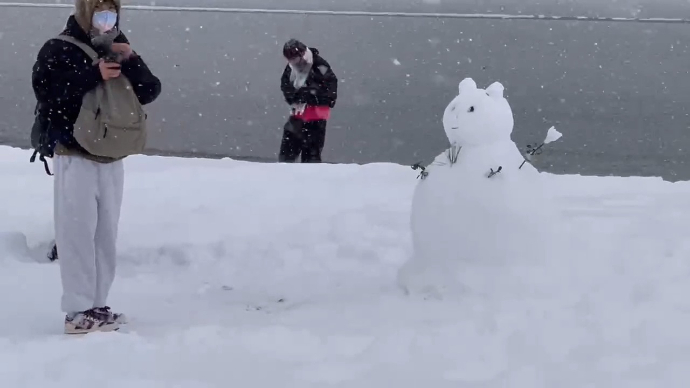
90 87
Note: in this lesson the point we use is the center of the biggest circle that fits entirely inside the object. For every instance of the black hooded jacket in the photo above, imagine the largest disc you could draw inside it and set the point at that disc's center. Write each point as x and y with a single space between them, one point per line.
320 89
63 74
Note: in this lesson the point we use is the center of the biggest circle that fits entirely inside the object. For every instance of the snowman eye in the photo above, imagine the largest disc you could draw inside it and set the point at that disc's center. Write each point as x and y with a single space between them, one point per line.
452 109
471 109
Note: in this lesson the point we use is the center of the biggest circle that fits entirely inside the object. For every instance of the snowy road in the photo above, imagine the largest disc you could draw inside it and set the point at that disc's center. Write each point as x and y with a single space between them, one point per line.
619 90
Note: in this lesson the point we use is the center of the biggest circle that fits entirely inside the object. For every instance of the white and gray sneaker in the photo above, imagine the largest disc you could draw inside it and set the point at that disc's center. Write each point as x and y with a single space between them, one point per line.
118 318
89 321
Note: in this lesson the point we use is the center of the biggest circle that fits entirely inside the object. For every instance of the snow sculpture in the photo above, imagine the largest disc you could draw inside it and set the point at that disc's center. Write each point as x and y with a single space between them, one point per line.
479 205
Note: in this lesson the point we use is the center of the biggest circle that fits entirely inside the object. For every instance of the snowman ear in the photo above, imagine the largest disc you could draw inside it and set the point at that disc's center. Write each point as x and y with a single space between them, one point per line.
466 85
495 90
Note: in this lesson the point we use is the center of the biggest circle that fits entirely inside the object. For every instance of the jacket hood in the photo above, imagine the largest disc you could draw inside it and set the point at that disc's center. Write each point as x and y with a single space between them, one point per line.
84 10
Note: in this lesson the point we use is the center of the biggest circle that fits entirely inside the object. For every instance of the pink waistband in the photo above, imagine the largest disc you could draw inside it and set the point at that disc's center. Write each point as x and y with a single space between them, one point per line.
314 113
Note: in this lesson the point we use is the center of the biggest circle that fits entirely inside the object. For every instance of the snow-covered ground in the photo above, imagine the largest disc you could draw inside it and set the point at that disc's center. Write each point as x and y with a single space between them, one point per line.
264 275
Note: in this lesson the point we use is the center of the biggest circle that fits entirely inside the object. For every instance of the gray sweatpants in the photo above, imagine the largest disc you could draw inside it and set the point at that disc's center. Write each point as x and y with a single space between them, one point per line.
88 198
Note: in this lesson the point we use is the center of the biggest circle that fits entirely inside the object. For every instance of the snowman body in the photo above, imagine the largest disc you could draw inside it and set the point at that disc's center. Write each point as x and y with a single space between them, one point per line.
475 208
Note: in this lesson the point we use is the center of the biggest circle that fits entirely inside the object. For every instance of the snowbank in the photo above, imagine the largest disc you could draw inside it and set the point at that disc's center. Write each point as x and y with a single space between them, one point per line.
270 219
257 275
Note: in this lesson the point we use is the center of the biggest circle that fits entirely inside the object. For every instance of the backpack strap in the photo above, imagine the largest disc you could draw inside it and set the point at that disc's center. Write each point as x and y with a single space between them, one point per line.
91 53
86 49
42 159
83 46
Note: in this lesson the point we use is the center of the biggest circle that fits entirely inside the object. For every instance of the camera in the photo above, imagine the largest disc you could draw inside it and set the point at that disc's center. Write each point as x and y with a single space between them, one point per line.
105 42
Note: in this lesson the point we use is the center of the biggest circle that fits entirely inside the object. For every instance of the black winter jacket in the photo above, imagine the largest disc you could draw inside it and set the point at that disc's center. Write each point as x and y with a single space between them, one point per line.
63 74
320 89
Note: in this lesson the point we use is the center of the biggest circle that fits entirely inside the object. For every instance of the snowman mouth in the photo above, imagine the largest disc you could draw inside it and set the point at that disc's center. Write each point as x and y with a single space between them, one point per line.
455 127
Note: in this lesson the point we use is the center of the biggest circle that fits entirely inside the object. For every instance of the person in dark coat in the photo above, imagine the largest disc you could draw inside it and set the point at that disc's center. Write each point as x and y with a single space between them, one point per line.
88 188
62 74
310 87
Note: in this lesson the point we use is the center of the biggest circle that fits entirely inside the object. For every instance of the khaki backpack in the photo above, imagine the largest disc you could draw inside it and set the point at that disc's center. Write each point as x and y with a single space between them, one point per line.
112 122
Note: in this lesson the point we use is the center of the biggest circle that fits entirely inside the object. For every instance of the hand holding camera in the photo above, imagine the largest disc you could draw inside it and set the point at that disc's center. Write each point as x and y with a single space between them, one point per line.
115 53
123 50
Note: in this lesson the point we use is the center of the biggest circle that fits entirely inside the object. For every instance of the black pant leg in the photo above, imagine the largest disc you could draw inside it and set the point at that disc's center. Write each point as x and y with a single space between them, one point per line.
290 147
314 133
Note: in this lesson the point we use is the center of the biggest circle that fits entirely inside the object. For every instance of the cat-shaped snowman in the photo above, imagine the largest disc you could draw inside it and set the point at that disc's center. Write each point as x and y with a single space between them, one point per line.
477 204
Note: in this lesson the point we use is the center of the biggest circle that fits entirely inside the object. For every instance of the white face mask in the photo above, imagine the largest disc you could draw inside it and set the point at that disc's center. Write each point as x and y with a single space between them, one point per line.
104 20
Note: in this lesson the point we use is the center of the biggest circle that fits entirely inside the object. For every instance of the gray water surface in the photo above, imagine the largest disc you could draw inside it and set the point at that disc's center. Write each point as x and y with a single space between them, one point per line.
619 92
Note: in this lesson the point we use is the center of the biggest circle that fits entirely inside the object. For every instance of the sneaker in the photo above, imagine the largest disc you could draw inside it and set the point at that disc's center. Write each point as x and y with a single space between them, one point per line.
118 318
89 321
